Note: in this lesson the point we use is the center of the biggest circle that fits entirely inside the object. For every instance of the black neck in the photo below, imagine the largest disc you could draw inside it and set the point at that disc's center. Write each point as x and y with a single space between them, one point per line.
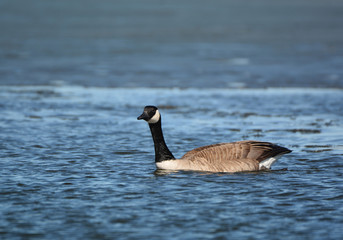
162 152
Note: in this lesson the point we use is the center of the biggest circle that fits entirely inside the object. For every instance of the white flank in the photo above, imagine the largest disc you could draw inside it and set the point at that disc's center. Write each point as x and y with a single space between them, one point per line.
155 118
267 163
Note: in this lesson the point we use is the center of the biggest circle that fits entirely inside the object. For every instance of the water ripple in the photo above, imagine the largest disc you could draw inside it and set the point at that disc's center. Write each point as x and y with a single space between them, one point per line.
75 162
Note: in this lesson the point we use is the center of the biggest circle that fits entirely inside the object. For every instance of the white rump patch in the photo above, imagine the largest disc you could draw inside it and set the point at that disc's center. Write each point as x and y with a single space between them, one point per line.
267 163
155 118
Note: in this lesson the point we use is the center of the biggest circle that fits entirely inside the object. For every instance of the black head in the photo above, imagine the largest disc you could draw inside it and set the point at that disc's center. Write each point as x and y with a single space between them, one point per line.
150 114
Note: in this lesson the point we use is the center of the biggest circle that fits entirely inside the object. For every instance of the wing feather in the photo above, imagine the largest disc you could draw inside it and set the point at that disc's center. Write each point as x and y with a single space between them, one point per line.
235 156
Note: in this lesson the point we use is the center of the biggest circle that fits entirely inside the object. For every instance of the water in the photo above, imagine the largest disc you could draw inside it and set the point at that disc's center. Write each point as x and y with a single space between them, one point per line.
75 163
216 44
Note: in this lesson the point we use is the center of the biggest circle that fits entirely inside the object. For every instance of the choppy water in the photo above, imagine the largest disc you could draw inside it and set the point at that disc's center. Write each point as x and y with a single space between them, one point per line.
75 163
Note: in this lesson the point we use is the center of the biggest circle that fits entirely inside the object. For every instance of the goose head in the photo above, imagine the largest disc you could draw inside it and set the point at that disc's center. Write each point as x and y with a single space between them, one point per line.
150 114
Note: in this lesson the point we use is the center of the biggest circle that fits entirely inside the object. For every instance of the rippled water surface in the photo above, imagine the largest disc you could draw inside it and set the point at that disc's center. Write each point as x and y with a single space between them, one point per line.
75 163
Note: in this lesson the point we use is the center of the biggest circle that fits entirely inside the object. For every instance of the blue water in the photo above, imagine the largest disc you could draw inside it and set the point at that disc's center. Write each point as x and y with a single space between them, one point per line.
75 163
216 44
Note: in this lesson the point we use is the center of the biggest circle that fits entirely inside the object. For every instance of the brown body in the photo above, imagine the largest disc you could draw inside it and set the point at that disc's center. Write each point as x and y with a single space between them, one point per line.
227 157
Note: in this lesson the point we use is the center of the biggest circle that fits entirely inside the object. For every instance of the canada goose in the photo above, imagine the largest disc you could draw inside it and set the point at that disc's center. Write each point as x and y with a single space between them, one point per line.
222 157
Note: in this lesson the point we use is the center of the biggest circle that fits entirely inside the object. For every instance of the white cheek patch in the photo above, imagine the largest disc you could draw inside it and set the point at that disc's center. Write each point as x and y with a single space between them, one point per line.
155 118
